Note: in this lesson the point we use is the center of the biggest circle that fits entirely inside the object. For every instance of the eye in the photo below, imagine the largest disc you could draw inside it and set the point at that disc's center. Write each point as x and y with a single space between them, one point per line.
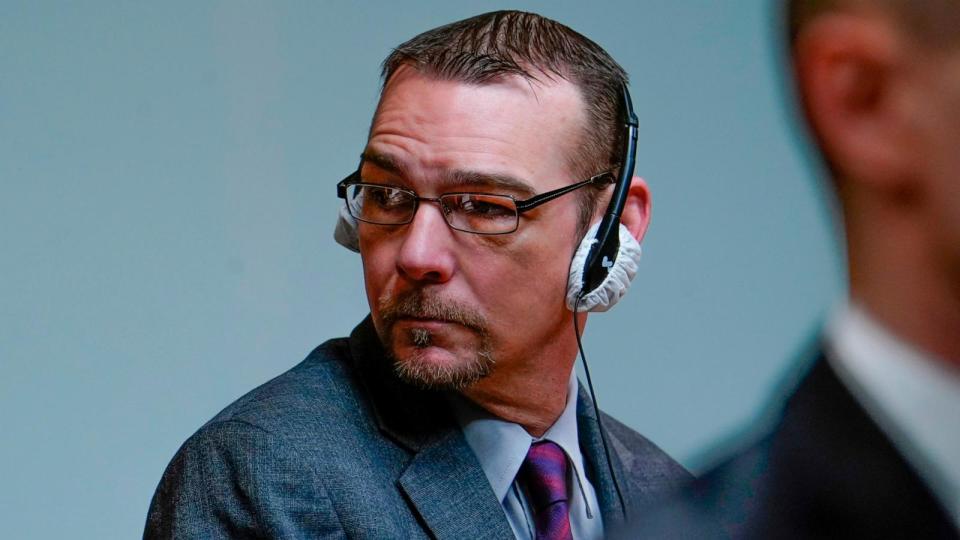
479 205
385 197
385 205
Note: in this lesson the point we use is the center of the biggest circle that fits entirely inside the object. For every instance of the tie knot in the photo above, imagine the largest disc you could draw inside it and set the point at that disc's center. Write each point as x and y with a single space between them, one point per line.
544 472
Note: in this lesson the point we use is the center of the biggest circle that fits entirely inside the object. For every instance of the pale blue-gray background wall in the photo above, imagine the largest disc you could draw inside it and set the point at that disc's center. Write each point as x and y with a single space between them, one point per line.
167 177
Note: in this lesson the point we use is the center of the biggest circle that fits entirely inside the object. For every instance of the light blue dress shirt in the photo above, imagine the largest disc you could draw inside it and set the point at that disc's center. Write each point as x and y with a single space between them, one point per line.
501 447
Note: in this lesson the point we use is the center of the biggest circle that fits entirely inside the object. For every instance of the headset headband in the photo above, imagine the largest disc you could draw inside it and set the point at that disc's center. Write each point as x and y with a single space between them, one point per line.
603 253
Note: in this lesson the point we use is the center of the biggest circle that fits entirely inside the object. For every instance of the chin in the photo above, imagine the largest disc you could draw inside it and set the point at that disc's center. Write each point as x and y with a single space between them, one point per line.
441 369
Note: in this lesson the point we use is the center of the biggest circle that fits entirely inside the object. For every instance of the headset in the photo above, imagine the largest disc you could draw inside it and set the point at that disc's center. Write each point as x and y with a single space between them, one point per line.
604 253
610 263
608 256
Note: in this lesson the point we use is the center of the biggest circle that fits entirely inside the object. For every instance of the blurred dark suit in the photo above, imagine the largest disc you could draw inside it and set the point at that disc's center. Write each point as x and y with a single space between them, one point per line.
826 470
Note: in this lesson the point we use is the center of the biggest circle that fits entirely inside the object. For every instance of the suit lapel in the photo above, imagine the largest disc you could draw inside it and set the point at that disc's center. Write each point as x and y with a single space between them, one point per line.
449 490
444 482
878 494
597 469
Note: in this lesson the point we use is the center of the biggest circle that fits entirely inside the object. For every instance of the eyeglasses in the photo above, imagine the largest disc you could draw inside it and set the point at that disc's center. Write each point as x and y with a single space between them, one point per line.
477 213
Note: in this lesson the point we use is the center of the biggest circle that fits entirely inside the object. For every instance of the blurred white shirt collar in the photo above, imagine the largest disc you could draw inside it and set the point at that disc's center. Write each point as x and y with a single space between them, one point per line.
914 398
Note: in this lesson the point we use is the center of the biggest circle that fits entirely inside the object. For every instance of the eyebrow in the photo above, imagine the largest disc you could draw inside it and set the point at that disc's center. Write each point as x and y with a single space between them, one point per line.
503 182
384 161
457 177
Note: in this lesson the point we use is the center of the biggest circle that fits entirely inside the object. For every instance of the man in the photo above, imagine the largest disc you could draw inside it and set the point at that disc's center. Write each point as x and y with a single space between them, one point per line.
868 444
453 410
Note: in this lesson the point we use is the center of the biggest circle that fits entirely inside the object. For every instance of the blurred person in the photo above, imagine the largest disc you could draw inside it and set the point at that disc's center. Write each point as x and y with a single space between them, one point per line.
453 410
867 444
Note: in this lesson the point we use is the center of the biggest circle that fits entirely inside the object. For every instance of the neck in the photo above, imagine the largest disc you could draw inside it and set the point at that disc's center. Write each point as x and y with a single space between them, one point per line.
897 274
532 394
924 321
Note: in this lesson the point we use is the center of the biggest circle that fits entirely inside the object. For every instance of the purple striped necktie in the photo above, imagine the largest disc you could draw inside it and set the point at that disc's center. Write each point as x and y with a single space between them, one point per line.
544 474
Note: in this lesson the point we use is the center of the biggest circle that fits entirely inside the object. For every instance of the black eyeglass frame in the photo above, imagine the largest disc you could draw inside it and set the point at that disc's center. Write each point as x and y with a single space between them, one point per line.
521 205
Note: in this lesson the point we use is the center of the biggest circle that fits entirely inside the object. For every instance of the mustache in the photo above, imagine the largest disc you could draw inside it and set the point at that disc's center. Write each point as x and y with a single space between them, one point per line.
418 304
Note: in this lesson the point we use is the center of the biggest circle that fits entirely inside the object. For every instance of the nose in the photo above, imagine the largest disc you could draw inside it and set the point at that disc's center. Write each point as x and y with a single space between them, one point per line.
426 254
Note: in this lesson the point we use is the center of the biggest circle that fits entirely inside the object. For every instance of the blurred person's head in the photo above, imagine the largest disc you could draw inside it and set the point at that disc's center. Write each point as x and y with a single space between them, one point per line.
879 83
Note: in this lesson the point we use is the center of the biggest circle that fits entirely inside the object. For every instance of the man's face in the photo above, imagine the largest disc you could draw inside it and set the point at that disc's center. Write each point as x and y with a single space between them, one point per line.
451 306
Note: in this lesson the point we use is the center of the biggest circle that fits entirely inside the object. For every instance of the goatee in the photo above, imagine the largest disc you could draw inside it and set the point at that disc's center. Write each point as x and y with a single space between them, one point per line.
414 367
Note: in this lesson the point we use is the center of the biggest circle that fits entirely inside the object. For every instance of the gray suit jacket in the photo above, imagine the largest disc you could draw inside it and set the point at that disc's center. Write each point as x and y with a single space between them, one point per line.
337 447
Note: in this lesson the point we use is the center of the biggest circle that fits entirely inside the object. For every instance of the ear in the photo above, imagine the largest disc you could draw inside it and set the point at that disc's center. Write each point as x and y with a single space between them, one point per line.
636 209
850 72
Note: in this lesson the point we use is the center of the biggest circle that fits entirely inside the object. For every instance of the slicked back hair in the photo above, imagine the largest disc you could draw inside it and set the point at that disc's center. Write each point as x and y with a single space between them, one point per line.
501 44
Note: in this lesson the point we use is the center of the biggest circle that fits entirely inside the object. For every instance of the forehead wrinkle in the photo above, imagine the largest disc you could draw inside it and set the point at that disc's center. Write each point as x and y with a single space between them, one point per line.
456 177
437 151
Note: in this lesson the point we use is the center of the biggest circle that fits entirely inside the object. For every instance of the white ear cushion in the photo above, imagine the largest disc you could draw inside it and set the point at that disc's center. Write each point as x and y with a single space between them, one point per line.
346 231
618 280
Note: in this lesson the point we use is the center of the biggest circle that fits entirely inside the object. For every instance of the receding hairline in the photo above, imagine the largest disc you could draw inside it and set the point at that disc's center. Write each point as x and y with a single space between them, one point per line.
535 78
535 73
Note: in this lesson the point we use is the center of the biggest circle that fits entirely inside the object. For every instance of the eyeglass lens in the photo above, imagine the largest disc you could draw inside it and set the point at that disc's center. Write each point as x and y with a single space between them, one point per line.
470 212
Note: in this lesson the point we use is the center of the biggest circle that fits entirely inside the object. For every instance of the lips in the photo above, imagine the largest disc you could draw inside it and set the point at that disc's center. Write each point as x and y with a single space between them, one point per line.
425 322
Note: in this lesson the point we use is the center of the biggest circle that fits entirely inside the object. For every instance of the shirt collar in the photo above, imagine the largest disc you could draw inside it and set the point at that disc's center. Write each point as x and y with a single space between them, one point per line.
501 446
914 398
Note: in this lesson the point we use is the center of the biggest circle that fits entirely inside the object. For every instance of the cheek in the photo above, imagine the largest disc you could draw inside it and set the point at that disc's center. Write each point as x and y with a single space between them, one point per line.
942 220
948 213
378 268
529 274
945 194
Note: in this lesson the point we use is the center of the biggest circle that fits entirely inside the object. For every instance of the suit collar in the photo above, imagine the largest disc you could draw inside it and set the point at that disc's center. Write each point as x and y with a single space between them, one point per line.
443 482
597 466
822 425
410 416
912 396
449 490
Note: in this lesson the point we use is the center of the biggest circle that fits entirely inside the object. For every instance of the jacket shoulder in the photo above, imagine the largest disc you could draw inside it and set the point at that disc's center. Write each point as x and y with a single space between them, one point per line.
323 385
642 458
232 479
266 465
